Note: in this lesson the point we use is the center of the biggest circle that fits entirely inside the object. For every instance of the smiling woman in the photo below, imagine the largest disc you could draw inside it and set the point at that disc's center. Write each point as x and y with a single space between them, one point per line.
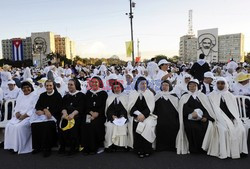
19 126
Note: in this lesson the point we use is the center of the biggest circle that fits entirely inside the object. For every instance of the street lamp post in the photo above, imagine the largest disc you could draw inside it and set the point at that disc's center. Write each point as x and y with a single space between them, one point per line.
132 5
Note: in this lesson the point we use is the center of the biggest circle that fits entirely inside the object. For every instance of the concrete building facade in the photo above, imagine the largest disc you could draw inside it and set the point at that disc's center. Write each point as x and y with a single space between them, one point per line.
188 48
231 46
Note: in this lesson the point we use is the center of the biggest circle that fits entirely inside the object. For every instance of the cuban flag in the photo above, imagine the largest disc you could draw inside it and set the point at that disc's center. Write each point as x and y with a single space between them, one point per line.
17 50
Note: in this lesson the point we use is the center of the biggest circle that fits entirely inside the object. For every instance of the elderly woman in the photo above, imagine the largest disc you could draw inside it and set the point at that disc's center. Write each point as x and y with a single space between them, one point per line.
195 114
142 121
43 122
18 130
166 108
117 116
72 109
93 129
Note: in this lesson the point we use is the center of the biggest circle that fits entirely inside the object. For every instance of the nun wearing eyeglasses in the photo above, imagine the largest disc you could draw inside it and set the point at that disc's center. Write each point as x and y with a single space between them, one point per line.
166 108
196 121
93 129
72 109
117 116
142 121
18 130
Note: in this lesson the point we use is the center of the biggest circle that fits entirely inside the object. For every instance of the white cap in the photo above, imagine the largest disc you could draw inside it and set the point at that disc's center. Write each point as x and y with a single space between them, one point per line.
11 82
209 75
163 61
194 81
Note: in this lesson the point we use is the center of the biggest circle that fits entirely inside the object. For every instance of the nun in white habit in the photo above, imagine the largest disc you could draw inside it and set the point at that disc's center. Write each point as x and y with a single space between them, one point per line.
232 134
18 130
142 121
117 116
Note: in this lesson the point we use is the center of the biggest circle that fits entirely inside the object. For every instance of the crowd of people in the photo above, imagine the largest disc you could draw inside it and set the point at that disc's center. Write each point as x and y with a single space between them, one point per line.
186 108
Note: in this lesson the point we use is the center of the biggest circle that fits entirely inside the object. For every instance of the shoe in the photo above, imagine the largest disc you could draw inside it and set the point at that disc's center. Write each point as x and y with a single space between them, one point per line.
2 145
147 154
140 155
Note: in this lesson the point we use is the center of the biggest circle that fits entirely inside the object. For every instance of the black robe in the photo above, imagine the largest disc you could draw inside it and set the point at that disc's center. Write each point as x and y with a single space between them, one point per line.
115 109
141 145
197 71
167 125
71 137
44 134
203 88
195 130
93 133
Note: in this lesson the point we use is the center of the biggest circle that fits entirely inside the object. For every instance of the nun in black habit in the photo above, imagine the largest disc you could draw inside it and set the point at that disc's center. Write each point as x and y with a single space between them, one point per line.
141 105
166 108
73 107
44 121
93 129
195 116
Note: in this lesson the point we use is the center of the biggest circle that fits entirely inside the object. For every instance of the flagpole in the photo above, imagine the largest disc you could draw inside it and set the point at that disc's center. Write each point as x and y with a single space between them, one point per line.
132 4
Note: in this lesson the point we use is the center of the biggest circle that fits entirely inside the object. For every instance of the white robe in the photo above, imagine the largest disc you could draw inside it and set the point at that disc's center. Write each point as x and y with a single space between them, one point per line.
232 135
116 135
150 122
18 133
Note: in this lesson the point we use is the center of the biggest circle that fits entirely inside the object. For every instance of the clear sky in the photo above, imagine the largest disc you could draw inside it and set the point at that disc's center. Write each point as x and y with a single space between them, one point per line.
100 27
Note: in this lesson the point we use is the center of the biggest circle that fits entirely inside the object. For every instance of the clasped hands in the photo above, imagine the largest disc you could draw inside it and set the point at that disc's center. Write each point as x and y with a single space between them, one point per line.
195 116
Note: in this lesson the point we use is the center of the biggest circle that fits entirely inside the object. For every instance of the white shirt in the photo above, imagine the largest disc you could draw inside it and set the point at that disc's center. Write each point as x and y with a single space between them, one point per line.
239 89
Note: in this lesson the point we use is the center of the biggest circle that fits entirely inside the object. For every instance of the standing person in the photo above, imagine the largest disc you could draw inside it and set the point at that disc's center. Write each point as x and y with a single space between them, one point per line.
199 68
67 72
5 77
43 122
117 116
18 130
152 68
93 129
166 108
72 110
142 121
163 72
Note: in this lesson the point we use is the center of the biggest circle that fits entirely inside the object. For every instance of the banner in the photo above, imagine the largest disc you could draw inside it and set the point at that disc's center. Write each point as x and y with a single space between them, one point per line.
17 50
129 48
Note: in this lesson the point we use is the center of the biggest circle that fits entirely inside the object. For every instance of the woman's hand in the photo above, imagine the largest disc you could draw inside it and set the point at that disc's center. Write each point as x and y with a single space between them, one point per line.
194 115
18 115
204 119
65 114
24 116
71 116
140 118
39 112
47 113
114 117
